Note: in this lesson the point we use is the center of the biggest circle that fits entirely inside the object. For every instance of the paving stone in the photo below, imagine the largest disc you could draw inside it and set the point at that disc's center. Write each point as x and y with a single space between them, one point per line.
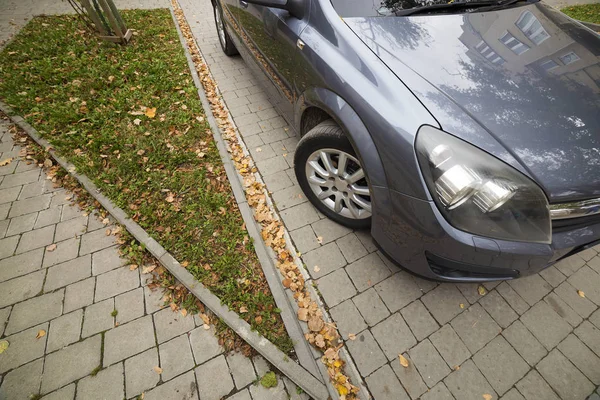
4 313
409 377
278 392
385 386
241 369
366 353
35 311
587 254
21 224
525 343
175 357
470 291
534 387
261 366
98 317
205 344
71 363
294 391
214 380
304 239
22 383
153 299
347 318
169 324
140 374
580 305
299 216
9 195
22 207
397 291
115 282
468 383
23 166
500 364
107 384
8 246
65 393
512 298
64 251
587 281
69 211
450 347
499 310
513 394
243 395
19 179
329 230
570 265
444 302
438 392
68 272
21 288
590 335
371 307
21 264
36 239
3 227
71 228
564 377
351 247
336 287
95 241
475 327
583 358
32 189
429 363
129 306
94 222
4 208
79 294
531 288
546 325
288 197
594 318
327 258
277 181
128 339
64 330
182 387
394 336
272 165
594 264
553 276
563 309
367 271
47 217
419 320
23 348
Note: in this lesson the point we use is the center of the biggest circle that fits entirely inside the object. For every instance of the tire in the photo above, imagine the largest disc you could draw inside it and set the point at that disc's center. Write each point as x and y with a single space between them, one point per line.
224 38
349 195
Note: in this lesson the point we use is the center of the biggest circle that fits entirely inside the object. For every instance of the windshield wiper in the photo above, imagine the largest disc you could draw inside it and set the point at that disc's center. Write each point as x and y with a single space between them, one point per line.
479 5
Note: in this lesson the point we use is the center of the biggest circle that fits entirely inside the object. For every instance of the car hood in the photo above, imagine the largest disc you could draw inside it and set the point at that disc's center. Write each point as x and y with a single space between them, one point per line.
540 100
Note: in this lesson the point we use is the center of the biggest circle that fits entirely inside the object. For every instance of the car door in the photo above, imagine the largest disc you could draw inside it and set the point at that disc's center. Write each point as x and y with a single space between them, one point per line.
271 36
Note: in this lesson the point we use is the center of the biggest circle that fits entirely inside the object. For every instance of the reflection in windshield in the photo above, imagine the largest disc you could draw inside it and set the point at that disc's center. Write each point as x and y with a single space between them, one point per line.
373 8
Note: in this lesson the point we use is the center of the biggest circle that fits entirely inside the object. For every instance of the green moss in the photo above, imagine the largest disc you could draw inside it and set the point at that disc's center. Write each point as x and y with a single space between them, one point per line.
269 380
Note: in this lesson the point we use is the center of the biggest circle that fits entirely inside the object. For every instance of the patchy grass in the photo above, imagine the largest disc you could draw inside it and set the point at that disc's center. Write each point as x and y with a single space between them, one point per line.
584 12
130 119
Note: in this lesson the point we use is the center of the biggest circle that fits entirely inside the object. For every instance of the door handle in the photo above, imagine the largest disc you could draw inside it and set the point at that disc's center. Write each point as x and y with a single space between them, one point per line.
243 4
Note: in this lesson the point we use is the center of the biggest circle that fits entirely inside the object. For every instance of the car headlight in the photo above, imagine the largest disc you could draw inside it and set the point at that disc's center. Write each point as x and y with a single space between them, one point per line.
480 194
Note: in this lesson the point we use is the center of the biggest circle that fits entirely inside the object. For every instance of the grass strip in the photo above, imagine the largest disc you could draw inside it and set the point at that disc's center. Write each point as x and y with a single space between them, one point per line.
129 118
584 12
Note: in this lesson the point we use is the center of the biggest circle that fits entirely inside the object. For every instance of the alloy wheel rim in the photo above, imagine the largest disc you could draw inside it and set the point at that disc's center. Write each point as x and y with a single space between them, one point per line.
339 182
220 27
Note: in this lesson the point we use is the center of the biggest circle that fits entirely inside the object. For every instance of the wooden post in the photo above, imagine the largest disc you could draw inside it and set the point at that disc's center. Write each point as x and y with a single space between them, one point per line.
117 32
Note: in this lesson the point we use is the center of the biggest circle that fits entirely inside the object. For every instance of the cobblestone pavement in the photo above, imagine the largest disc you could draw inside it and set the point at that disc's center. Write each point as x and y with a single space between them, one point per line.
532 338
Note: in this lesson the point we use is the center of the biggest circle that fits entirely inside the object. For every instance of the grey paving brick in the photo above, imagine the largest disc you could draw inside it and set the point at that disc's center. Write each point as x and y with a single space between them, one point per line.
95 241
329 230
409 377
21 264
129 306
169 324
497 307
336 287
175 357
21 224
272 165
327 258
214 380
98 318
534 387
95 222
475 327
564 377
546 325
304 239
4 313
64 393
249 130
553 276
3 227
36 239
19 179
70 228
531 288
288 197
347 318
524 342
79 295
32 189
467 383
261 366
8 246
23 348
469 291
419 320
595 318
588 281
23 166
367 271
394 336
278 180
583 358
107 384
35 311
299 216
10 194
153 299
22 383
68 272
563 309
594 264
71 363
64 251
294 391
115 282
351 247
568 266
429 363
278 392
513 394
384 385
64 330
4 208
10 168
371 307
512 298
366 353
21 288
205 344
128 339
444 302
438 392
397 291
241 369
500 364
140 374
587 254
182 387
22 207
450 347
590 335
69 211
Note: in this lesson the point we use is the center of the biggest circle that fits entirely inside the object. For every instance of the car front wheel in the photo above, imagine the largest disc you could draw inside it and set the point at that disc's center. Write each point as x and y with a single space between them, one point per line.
226 43
331 176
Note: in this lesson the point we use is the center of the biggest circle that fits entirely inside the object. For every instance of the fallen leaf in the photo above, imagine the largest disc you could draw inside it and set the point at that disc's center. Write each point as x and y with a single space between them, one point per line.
351 336
481 290
6 162
303 314
487 396
137 121
316 268
581 293
105 221
243 309
133 267
315 324
205 318
148 268
183 312
3 345
403 360
462 305
170 198
48 163
206 326
158 369
320 239
51 248
151 112
41 333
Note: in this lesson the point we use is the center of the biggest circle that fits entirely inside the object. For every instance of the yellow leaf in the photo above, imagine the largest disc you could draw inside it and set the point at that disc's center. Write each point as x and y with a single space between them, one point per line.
41 333
462 305
487 396
205 318
351 336
158 370
403 361
6 162
342 390
51 248
481 290
151 112
3 345
183 312
581 293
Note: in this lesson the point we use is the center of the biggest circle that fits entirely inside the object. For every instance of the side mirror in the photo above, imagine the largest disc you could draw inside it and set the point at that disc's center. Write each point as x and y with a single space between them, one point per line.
294 7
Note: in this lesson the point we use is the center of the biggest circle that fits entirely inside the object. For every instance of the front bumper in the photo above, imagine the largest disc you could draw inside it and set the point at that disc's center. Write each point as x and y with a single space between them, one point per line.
413 233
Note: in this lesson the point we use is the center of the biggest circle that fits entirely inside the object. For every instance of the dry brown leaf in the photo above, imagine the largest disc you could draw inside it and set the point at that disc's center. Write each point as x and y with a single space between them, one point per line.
320 239
351 336
403 360
206 326
133 267
151 112
316 268
41 333
6 161
183 312
170 198
205 318
137 121
243 309
303 314
315 324
487 397
581 293
158 370
47 163
51 248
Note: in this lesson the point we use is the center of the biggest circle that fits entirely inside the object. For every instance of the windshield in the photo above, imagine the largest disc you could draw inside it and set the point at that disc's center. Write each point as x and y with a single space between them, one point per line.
373 8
